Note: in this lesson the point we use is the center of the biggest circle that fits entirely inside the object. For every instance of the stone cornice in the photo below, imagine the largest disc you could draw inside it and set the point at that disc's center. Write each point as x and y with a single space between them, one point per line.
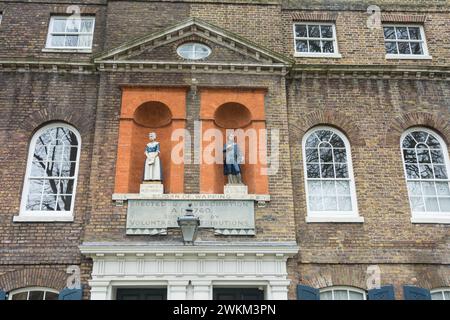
46 66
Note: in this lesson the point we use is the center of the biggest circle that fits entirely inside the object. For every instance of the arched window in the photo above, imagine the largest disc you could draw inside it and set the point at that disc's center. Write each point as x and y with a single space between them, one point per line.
425 160
342 293
330 187
440 294
33 293
51 176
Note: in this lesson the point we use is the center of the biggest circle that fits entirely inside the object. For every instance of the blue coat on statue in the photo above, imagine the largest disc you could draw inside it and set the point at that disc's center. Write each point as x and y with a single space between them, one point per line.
232 160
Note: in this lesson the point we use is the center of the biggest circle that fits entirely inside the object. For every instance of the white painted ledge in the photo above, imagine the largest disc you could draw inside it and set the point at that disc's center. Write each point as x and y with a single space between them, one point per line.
185 196
318 55
334 219
408 57
430 220
28 218
66 50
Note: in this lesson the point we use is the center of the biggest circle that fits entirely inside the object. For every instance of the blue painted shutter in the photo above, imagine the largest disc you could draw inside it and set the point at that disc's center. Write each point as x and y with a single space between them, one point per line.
383 293
307 293
416 293
2 295
71 294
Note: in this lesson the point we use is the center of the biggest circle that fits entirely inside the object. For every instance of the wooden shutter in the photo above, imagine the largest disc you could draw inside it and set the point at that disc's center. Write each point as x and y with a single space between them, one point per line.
2 295
71 294
307 293
416 293
382 293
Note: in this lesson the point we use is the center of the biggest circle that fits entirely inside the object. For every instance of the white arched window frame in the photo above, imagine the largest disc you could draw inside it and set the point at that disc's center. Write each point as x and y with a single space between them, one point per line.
320 186
426 169
440 294
33 293
342 293
57 200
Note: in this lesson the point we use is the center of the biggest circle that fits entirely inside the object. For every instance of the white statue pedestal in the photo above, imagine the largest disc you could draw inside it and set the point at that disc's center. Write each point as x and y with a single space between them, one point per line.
235 189
152 187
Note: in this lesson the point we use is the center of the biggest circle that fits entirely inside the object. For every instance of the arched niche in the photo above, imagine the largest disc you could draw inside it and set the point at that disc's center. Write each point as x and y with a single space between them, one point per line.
153 114
232 115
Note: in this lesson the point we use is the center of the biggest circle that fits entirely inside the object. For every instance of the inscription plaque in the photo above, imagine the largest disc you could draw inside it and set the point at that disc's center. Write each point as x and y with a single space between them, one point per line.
153 217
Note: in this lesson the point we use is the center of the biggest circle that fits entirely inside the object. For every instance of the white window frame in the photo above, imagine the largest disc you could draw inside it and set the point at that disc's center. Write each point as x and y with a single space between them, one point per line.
28 289
424 56
47 216
50 33
194 44
441 291
347 288
330 216
426 217
335 54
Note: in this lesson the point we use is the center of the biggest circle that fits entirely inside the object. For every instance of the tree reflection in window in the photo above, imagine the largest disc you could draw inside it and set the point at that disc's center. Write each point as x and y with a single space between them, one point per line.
327 172
426 172
52 170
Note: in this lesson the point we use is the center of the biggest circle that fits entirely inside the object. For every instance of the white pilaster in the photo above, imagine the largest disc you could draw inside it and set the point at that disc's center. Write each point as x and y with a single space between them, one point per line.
202 289
177 290
99 290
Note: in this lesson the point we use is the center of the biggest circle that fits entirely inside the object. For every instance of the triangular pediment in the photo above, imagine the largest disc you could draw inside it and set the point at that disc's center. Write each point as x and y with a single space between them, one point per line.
227 48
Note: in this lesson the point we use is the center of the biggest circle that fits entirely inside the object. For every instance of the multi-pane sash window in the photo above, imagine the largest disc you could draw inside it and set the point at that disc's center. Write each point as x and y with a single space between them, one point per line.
404 40
342 293
440 294
70 33
52 171
315 39
329 177
34 294
426 168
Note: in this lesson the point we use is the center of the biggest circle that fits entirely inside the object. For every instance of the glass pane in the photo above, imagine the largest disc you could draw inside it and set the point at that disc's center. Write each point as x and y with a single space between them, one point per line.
326 295
440 172
315 203
327 171
314 46
355 295
48 203
36 295
326 155
389 32
403 48
416 48
437 296
345 203
340 155
312 155
314 31
66 186
59 25
314 188
343 188
442 188
64 203
327 47
437 156
57 41
428 188
340 295
414 189
417 204
329 203
300 30
409 142
51 296
402 33
53 169
446 295
414 33
329 188
431 204
301 45
313 170
20 296
71 41
409 155
337 141
324 135
68 169
73 25
327 31
312 141
444 204
341 171
38 169
391 47
426 171
412 171
34 202
420 136
35 186
86 25
85 42
433 143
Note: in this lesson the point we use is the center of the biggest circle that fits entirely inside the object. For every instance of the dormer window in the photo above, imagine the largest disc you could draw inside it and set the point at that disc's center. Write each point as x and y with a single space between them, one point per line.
193 51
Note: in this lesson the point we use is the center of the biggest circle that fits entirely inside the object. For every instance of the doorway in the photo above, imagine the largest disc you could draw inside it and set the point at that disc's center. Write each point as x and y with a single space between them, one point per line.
141 294
238 294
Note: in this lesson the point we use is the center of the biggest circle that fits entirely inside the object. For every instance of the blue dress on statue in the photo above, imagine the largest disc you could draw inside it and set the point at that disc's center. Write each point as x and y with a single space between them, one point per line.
232 158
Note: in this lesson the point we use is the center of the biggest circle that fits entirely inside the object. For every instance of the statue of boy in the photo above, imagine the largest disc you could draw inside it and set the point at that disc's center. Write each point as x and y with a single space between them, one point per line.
153 170
232 160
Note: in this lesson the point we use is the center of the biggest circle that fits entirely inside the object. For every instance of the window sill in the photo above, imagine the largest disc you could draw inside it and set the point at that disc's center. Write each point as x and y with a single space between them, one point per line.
30 218
335 219
407 57
54 50
317 55
430 220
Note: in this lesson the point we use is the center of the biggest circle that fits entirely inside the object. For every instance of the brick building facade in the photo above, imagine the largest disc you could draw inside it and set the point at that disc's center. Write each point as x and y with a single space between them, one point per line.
370 98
